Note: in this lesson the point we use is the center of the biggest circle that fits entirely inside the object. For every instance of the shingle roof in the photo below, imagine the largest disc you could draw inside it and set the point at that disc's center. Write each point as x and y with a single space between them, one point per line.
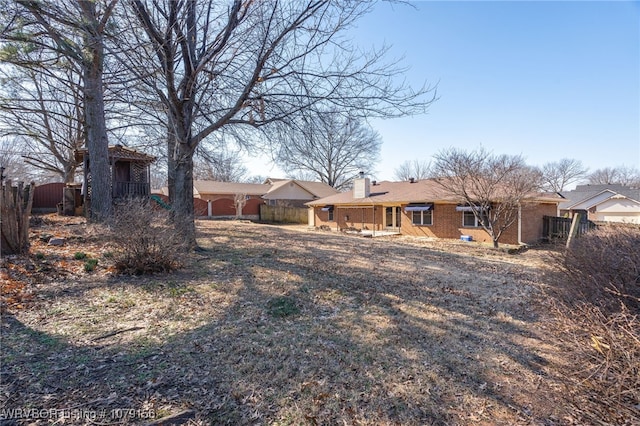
119 152
404 192
229 188
584 192
318 189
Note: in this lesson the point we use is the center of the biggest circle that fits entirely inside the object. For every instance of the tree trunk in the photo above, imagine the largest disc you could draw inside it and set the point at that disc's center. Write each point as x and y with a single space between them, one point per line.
181 192
15 203
96 131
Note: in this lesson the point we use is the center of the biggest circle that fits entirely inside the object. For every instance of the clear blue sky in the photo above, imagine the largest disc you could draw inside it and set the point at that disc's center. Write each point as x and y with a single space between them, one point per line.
543 79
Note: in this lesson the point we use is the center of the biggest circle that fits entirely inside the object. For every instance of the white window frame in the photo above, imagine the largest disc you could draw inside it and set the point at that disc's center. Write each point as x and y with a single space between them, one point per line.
422 214
476 222
469 210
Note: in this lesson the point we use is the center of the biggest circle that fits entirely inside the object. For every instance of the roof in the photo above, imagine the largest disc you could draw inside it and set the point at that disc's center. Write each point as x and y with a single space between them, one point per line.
404 192
316 189
229 188
119 152
584 193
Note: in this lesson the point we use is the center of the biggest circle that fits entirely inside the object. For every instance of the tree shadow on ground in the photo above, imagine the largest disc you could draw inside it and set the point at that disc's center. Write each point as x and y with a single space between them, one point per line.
381 333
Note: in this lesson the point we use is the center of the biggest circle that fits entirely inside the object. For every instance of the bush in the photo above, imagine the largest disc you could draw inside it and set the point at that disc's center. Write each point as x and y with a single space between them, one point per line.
145 240
90 265
598 290
79 255
603 268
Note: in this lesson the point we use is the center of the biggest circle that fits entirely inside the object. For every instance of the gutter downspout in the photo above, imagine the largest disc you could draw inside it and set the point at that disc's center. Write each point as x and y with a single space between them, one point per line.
520 224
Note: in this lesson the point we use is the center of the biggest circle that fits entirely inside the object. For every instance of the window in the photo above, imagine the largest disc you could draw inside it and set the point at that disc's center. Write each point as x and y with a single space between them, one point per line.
424 217
469 220
421 214
329 210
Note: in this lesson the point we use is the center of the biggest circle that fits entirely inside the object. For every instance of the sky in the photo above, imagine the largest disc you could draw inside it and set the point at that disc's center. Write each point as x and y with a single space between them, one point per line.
544 79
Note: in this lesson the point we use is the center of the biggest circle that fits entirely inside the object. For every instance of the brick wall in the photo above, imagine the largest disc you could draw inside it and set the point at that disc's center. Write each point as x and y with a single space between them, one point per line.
224 205
354 217
447 223
532 221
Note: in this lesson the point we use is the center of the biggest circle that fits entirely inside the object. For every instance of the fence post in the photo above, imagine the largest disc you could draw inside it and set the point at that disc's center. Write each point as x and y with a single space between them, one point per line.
15 208
573 231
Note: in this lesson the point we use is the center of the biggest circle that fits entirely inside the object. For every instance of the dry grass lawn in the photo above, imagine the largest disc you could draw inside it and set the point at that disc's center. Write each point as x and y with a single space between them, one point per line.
282 325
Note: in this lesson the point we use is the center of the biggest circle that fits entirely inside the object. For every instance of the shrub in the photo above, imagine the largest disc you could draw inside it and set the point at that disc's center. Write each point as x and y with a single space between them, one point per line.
90 265
603 268
79 255
145 240
598 312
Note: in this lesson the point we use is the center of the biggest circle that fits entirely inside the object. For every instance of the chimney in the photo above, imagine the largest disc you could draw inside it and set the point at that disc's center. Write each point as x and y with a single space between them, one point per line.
361 187
412 180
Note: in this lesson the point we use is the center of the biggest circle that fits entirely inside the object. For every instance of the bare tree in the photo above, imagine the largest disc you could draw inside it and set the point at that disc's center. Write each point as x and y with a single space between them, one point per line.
494 187
11 161
239 201
243 65
43 109
622 175
329 147
417 169
220 165
75 29
558 175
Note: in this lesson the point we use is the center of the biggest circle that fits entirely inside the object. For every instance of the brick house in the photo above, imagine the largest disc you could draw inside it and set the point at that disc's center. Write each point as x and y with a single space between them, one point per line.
422 208
217 199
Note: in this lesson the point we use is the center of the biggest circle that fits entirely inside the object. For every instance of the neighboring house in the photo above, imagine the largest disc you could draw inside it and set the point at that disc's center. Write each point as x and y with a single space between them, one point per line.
602 203
421 208
217 199
295 193
220 197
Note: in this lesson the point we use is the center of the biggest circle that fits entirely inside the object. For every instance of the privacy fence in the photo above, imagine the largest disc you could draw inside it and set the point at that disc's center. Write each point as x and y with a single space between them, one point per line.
279 214
558 228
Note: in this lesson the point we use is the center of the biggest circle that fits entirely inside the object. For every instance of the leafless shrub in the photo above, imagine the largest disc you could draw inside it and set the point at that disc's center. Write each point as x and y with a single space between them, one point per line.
598 290
146 240
604 375
603 268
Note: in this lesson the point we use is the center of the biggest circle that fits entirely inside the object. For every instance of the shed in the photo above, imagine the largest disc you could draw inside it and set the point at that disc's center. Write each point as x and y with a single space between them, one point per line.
130 173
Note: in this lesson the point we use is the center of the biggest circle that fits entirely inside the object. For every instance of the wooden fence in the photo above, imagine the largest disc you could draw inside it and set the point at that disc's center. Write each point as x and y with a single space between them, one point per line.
280 214
46 197
555 228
